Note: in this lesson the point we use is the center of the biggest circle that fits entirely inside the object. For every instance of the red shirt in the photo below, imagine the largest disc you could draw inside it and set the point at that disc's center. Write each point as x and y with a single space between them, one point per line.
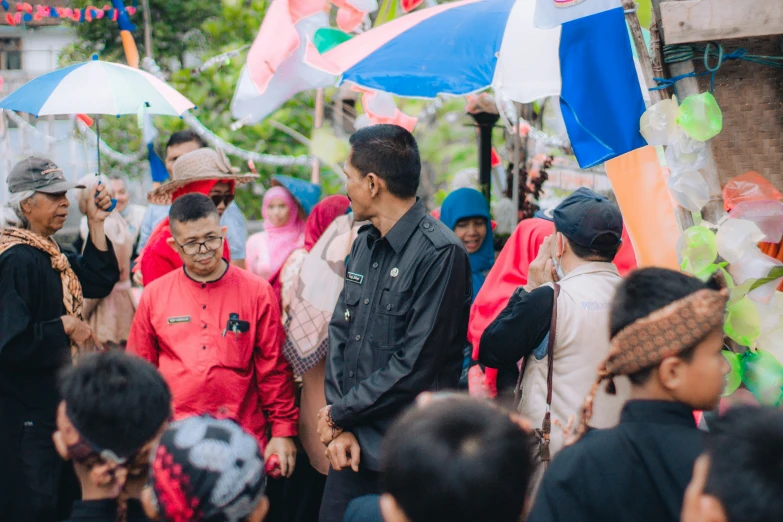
158 258
179 327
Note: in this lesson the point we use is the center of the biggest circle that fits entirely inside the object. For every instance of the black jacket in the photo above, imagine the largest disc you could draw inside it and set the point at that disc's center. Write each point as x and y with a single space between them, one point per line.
399 325
33 344
33 347
635 472
105 511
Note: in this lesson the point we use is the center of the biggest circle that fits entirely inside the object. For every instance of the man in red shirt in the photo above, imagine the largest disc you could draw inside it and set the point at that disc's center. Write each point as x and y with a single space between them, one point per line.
204 171
214 332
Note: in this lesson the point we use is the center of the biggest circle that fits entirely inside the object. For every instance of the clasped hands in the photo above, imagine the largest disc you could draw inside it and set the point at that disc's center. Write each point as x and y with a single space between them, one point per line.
342 448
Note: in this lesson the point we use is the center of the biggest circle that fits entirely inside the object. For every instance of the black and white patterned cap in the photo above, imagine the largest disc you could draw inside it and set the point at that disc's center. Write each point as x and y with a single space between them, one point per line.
207 469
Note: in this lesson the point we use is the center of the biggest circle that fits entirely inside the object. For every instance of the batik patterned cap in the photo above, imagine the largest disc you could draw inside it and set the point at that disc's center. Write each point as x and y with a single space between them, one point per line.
207 469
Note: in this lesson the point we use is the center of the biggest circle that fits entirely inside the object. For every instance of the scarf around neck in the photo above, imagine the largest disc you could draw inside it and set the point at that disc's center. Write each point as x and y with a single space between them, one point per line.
73 299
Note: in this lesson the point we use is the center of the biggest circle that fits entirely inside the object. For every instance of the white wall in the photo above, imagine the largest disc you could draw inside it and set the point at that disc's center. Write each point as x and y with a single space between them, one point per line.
41 47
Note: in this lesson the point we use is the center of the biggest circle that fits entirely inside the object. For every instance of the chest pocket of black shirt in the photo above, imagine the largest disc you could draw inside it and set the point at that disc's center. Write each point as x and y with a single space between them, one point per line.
352 295
392 319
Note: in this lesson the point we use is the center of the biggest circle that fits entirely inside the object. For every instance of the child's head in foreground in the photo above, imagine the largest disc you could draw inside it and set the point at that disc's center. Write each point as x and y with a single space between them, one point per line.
740 476
457 459
112 410
206 469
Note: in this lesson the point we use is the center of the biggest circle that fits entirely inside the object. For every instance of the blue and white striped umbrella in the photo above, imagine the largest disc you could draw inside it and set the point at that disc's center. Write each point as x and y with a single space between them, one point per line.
96 87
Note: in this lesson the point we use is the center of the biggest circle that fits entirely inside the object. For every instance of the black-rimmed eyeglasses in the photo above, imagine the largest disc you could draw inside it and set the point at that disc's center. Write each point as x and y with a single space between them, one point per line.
194 247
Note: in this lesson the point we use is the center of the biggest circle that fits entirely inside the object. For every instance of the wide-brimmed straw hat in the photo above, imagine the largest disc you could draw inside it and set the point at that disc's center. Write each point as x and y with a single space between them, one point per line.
199 165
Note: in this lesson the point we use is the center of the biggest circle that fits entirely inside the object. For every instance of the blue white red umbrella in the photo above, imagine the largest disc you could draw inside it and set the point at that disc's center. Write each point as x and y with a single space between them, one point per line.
96 87
466 46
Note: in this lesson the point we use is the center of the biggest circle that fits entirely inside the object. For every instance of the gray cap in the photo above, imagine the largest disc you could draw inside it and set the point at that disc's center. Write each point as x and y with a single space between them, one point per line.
40 175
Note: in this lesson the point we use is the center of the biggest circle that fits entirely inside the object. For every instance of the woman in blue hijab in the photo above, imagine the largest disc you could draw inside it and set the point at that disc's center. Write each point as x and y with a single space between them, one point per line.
466 212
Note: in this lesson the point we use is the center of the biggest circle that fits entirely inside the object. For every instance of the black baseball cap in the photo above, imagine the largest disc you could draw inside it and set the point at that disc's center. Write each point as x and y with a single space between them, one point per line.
40 175
584 216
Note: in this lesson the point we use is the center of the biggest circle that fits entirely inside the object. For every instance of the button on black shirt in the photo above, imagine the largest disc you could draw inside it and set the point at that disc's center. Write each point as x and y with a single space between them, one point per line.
409 338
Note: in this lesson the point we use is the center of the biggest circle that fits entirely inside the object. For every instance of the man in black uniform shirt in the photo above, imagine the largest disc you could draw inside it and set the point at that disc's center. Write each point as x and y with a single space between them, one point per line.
401 320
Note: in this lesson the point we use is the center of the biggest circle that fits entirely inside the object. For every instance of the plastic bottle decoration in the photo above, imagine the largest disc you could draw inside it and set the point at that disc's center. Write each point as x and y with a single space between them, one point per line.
763 375
755 265
742 322
771 320
768 215
734 377
697 251
735 237
689 189
658 124
685 153
700 117
750 186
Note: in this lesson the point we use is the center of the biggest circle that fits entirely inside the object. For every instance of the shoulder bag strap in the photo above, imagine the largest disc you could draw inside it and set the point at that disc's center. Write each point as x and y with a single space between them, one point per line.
546 427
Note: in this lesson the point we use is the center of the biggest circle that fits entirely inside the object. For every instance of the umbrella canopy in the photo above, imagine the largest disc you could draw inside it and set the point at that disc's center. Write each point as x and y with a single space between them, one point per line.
96 87
469 45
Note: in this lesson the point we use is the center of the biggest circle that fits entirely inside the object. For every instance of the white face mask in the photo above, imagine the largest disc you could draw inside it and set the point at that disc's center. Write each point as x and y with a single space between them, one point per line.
558 268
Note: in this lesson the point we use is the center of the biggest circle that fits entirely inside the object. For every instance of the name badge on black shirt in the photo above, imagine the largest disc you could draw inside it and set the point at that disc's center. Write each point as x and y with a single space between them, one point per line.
354 278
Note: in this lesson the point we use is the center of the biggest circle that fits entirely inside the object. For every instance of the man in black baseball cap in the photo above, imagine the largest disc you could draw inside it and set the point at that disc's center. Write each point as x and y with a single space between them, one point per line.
40 175
41 297
574 273
592 225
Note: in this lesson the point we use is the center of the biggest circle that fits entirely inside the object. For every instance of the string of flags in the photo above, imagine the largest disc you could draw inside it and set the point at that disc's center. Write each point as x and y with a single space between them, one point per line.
25 12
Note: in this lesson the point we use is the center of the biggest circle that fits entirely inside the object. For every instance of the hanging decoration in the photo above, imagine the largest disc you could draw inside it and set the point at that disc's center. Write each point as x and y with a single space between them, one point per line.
274 71
754 313
20 12
379 107
126 32
218 61
149 65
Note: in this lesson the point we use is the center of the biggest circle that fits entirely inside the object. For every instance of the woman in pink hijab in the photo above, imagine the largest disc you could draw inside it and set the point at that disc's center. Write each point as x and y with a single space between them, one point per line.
283 233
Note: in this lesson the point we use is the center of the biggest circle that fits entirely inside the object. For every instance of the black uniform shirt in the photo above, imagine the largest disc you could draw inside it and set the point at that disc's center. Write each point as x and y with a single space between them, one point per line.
635 472
398 326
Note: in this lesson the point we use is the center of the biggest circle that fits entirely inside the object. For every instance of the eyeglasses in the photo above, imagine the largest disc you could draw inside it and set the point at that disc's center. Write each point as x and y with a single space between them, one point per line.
226 199
194 247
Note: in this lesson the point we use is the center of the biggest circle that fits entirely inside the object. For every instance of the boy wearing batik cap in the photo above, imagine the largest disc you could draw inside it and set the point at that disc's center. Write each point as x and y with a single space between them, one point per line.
206 469
113 409
666 336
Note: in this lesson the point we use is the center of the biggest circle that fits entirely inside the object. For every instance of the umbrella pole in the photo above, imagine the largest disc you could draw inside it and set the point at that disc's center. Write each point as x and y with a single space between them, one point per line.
98 141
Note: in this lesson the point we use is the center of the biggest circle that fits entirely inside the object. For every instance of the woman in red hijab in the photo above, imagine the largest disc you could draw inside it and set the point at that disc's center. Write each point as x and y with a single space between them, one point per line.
205 171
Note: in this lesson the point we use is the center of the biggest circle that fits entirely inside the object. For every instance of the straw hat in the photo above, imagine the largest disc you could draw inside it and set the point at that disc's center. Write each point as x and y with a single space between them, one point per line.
199 165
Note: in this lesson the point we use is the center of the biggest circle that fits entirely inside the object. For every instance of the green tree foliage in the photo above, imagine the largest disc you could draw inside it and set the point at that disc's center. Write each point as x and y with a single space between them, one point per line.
187 32
191 31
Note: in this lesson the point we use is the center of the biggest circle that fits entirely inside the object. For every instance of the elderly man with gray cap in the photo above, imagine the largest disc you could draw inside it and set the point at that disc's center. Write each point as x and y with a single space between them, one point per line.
41 297
559 323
